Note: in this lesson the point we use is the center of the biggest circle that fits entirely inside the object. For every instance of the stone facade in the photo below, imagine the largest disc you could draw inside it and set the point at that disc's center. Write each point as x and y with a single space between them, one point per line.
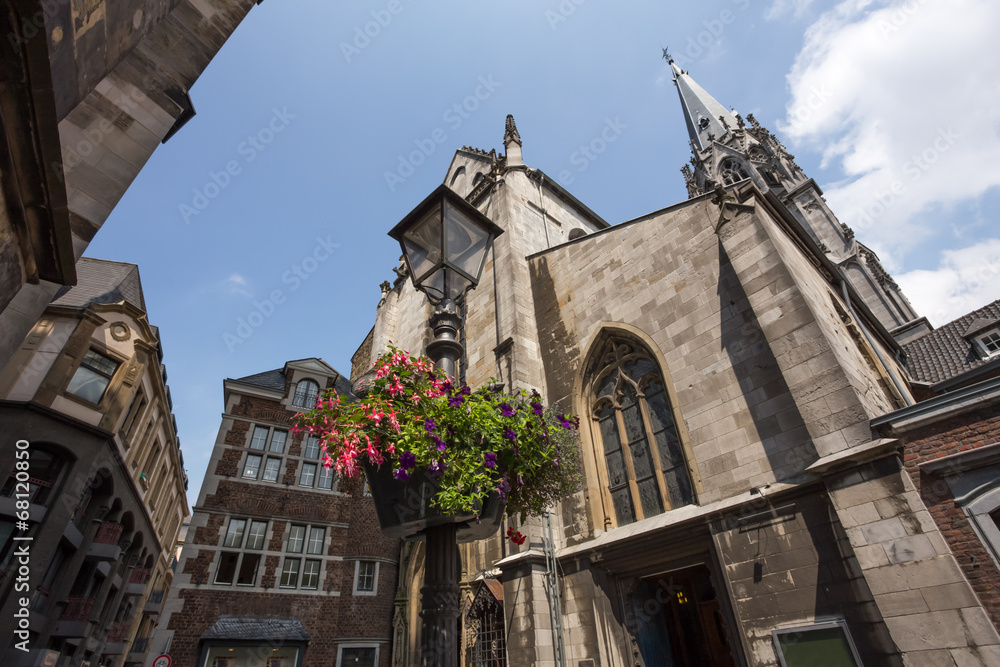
283 512
92 92
951 455
107 489
769 514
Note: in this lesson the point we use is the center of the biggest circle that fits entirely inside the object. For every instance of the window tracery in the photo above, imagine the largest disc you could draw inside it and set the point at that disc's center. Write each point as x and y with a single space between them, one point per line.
646 472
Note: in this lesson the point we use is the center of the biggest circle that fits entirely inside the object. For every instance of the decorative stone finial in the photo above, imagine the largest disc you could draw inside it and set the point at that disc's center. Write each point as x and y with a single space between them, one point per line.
510 132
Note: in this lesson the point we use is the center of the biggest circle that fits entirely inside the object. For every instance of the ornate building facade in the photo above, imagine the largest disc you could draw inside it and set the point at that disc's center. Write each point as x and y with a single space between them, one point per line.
283 564
89 93
728 355
104 480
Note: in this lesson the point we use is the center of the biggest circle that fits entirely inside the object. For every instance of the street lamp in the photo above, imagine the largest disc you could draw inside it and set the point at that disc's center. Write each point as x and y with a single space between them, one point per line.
445 241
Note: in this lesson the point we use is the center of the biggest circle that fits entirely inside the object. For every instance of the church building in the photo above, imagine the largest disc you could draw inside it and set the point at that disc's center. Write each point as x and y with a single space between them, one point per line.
727 356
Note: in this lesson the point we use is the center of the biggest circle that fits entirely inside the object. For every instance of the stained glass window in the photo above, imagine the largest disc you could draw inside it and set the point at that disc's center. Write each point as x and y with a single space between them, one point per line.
643 458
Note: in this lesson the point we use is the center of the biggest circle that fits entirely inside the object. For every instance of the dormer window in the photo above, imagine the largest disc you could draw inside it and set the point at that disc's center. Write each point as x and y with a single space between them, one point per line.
984 335
989 342
703 122
306 392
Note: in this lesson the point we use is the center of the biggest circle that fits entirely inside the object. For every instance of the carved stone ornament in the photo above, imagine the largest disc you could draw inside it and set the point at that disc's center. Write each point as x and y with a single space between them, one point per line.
120 331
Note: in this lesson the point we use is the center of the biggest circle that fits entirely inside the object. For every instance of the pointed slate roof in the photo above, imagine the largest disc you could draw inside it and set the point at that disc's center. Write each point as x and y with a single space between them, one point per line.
701 110
947 352
102 281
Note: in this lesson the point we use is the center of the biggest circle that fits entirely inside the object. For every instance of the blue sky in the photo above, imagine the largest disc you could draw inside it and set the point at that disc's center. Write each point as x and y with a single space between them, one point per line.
321 124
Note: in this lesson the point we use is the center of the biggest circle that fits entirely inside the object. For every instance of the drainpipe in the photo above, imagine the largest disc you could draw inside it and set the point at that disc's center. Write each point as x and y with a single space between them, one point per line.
864 330
541 205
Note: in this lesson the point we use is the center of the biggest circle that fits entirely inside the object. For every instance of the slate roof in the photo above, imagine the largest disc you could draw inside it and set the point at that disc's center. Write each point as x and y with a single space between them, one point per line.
253 628
102 281
945 353
274 380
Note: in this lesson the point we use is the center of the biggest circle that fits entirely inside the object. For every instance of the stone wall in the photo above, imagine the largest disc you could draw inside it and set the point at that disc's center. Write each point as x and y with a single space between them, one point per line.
963 433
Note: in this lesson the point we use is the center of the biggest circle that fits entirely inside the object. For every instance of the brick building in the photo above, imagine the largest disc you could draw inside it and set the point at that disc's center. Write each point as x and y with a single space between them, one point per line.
106 481
283 564
729 356
951 443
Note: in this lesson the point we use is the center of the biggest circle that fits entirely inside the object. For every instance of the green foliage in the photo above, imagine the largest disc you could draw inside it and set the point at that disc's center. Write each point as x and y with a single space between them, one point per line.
474 442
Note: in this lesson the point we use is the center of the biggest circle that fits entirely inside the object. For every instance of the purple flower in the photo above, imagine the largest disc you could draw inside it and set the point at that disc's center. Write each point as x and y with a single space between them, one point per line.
436 468
429 424
407 460
455 401
490 460
508 433
465 390
506 410
439 442
536 407
401 475
446 386
568 421
503 488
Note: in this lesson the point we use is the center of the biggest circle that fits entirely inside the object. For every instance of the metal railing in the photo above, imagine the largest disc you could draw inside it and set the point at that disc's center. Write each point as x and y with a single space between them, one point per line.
109 533
78 609
118 632
140 575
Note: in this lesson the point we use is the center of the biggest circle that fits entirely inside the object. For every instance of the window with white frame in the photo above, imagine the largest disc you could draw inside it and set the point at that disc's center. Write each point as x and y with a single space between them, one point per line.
989 342
290 573
326 477
251 468
270 438
271 468
310 574
92 376
306 392
366 577
317 538
355 655
312 448
241 567
296 539
297 572
308 475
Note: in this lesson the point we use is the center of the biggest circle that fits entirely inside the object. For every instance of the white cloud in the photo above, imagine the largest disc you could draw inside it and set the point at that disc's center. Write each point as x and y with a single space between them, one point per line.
237 284
782 7
903 96
965 280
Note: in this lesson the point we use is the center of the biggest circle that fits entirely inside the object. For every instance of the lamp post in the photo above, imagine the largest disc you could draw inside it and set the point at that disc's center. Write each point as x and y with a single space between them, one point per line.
445 241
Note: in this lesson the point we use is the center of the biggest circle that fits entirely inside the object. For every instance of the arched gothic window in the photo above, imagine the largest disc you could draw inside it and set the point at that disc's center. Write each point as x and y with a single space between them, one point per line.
644 464
731 171
306 392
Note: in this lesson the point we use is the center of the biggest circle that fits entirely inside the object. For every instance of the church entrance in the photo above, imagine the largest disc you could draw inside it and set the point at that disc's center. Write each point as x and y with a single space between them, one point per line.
679 620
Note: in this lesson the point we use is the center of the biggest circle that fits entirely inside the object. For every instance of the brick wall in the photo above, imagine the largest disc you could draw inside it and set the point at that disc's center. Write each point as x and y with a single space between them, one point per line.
945 437
354 533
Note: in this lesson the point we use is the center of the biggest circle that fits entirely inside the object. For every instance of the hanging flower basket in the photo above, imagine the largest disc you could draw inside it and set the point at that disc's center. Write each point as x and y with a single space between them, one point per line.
435 452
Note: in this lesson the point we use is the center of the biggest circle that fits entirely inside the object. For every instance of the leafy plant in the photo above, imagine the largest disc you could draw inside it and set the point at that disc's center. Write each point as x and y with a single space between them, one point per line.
474 442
